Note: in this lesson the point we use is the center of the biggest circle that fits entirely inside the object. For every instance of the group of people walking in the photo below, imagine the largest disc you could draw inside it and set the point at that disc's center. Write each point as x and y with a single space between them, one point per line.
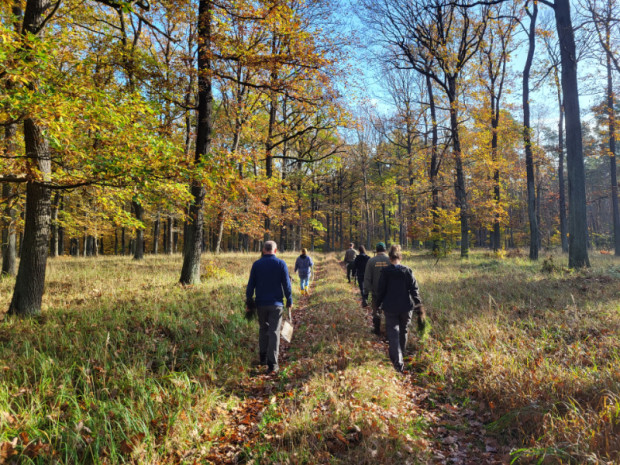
394 291
392 287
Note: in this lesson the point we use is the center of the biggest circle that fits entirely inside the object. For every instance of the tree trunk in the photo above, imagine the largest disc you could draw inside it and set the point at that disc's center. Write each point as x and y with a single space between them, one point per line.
175 236
561 182
386 230
123 241
434 168
527 139
460 187
61 229
220 232
74 247
169 237
9 237
139 239
611 117
156 225
577 220
496 237
366 205
54 226
192 250
30 282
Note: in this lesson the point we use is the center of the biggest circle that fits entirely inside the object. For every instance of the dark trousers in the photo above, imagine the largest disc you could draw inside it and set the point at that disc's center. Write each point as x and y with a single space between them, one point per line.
376 315
397 329
349 270
360 283
270 323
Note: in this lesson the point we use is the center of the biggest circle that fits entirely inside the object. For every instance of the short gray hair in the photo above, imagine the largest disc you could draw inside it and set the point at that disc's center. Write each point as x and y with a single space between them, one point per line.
270 246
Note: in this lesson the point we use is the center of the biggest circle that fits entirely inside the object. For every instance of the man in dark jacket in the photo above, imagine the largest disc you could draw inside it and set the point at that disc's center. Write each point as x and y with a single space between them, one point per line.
349 258
371 283
359 270
270 279
398 294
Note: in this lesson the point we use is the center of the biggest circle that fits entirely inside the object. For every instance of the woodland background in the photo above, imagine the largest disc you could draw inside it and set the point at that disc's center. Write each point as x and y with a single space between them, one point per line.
155 135
133 127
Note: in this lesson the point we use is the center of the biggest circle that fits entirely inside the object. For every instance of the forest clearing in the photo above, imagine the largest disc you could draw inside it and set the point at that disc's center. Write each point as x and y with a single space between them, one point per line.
125 365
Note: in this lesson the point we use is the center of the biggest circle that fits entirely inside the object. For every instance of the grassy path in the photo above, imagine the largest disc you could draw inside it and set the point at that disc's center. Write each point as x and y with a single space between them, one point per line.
126 366
338 400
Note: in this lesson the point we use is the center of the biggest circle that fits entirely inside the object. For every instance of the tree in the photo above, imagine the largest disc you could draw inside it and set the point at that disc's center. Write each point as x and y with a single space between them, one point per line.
30 280
494 57
64 149
577 221
448 35
604 19
527 134
192 250
554 59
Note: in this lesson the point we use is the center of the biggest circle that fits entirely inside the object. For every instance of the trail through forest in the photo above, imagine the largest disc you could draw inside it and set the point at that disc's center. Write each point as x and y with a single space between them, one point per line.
264 420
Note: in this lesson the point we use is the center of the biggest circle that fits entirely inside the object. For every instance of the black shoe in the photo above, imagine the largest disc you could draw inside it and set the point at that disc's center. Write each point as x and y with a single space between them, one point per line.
262 360
273 370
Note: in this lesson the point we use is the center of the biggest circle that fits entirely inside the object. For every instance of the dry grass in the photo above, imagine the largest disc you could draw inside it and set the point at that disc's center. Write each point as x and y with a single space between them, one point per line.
125 365
541 351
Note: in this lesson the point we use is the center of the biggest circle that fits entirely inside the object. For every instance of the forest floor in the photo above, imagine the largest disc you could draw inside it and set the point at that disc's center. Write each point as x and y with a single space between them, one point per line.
126 366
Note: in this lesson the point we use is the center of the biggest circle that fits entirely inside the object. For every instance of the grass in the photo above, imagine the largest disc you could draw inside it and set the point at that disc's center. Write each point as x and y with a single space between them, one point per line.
127 366
540 351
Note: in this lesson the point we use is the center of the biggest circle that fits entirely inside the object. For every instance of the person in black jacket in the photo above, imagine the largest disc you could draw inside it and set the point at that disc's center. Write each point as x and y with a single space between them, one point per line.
359 268
399 295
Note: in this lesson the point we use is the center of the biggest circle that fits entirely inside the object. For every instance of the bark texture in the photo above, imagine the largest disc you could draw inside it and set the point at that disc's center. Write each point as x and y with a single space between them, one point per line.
192 250
577 219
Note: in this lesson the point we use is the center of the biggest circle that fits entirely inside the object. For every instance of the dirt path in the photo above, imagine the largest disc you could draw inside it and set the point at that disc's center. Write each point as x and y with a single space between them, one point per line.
458 434
337 399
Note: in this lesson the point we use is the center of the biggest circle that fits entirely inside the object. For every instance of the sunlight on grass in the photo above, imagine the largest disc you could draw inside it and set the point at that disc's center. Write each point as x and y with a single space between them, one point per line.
127 365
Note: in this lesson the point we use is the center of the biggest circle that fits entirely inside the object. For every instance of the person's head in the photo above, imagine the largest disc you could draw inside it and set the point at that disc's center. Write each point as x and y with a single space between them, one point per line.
380 247
270 248
362 249
351 245
395 254
304 251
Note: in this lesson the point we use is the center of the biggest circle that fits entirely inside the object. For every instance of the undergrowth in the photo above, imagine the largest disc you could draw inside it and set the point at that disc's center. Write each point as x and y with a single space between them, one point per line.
125 365
537 344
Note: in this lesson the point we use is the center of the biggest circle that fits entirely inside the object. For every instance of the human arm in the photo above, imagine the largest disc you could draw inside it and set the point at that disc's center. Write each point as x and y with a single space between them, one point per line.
414 290
286 285
382 288
249 290
367 279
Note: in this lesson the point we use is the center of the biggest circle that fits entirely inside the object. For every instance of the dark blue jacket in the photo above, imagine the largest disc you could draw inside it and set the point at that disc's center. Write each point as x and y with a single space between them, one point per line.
303 265
270 279
398 289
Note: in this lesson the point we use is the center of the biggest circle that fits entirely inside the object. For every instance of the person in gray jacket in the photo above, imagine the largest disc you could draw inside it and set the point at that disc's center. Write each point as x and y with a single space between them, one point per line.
349 258
371 283
398 295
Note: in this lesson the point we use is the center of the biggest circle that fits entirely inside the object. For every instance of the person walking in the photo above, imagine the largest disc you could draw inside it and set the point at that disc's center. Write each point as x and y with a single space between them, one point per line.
359 270
398 294
371 283
269 278
349 258
303 267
